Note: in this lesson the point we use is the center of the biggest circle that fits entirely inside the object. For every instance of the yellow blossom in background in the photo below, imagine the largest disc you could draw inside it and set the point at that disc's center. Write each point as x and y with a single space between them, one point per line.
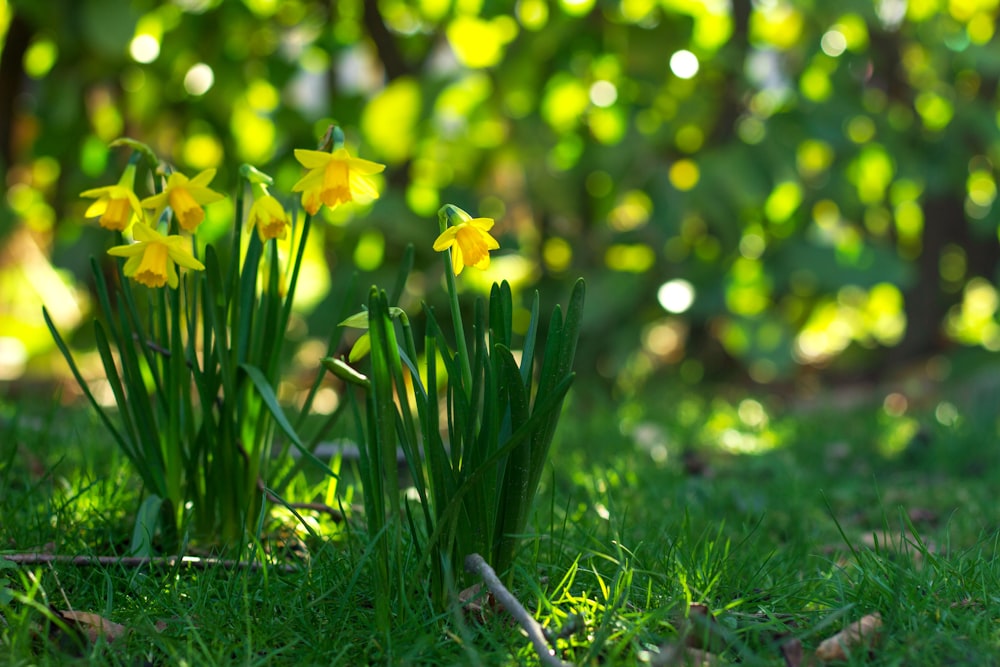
269 217
116 204
470 243
185 197
334 178
153 258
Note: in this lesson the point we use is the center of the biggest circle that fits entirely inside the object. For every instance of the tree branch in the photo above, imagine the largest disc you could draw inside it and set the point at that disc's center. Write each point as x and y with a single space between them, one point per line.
385 43
19 34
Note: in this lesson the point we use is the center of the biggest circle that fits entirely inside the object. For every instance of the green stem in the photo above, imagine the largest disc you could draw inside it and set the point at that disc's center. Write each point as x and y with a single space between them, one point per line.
456 312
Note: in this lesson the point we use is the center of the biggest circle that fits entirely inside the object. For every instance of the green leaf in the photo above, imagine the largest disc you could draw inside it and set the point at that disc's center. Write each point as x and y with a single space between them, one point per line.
84 387
487 464
383 439
513 491
266 393
145 527
528 348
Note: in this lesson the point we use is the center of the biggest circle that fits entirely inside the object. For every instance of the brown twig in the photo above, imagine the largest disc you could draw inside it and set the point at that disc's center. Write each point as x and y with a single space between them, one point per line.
196 562
333 512
474 563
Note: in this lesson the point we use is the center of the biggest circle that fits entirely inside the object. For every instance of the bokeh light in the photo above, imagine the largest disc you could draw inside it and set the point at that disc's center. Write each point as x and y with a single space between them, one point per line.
199 79
144 49
676 296
684 64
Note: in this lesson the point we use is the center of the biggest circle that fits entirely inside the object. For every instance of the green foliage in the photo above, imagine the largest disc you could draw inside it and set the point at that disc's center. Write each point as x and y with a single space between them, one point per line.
789 543
476 475
192 368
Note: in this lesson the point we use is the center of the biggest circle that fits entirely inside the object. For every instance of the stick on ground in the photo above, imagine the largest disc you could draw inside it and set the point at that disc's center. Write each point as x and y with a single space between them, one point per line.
474 563
196 562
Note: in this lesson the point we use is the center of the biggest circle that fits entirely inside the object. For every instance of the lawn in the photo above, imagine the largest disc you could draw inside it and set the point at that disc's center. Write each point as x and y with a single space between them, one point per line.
678 528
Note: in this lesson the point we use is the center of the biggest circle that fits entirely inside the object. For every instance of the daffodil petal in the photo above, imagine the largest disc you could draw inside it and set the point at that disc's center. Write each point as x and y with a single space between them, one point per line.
179 249
365 167
485 224
362 185
187 260
176 179
97 192
130 250
132 263
96 208
155 202
310 180
172 275
203 179
312 159
146 233
205 195
483 263
446 239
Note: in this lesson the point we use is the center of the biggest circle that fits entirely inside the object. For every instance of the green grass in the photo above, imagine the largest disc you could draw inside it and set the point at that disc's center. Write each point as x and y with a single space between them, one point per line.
647 510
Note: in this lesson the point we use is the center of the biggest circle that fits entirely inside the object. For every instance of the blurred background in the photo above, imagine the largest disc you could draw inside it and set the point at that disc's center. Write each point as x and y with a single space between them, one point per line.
772 192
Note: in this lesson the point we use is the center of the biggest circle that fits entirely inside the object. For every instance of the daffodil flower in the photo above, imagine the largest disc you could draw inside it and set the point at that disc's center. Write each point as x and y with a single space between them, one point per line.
469 240
116 204
153 258
334 178
185 197
267 215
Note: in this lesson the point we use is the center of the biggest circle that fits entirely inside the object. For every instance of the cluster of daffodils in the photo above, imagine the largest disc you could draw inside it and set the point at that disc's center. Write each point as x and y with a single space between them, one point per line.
154 257
158 246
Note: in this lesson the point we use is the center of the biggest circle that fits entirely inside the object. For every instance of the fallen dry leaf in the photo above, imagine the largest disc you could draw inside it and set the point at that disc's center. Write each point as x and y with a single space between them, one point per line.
474 602
477 606
861 634
701 631
791 651
93 625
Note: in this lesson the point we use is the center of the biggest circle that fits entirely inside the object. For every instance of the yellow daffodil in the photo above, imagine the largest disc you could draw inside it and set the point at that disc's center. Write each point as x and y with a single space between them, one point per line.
116 204
268 216
153 258
185 197
470 243
334 178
